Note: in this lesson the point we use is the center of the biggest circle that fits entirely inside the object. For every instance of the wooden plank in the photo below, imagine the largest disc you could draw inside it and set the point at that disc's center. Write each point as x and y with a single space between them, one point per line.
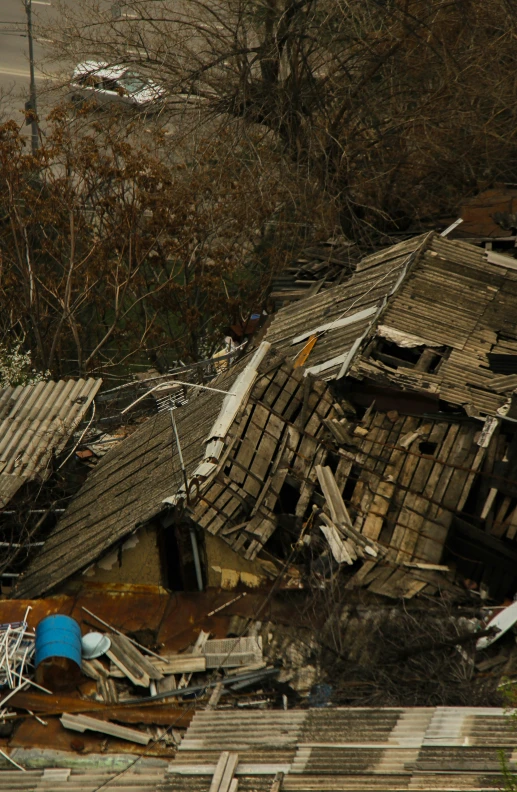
431 540
241 389
128 651
219 771
492 492
361 496
459 456
107 689
229 771
246 447
512 525
413 587
381 500
136 676
181 663
337 508
410 521
82 723
197 648
441 475
499 526
403 519
378 578
276 386
277 783
413 506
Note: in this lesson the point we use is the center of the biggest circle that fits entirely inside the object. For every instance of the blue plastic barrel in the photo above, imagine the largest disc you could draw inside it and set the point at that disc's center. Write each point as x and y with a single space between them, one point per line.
58 636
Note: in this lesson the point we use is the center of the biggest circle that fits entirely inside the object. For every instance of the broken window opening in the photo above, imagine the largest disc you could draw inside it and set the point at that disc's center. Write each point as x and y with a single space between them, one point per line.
353 478
425 447
288 498
178 568
394 356
419 358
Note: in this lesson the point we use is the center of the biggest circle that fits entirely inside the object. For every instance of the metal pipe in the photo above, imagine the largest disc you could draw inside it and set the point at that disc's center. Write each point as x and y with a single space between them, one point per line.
33 511
197 563
27 544
180 692
180 454
32 90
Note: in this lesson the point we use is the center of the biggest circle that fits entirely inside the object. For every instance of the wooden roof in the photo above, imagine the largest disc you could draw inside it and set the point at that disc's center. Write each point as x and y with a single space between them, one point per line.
437 291
125 489
373 280
277 440
238 451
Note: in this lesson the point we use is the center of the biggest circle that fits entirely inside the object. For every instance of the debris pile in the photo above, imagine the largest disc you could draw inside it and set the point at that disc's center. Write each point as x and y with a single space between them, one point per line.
350 477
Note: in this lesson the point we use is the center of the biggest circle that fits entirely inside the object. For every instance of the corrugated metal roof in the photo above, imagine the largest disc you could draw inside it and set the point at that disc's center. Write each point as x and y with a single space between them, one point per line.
54 779
36 421
424 748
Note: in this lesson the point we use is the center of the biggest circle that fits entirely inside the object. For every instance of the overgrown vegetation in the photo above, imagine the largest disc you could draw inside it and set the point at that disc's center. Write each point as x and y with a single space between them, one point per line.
112 247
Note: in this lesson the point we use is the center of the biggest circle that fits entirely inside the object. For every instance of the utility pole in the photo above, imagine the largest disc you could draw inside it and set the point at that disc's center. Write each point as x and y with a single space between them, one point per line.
31 104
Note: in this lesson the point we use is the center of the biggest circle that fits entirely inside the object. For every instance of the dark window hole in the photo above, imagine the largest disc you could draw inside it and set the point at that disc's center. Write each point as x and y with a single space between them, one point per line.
427 448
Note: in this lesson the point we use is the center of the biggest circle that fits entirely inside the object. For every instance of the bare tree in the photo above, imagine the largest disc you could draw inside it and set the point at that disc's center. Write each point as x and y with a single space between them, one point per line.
110 248
395 107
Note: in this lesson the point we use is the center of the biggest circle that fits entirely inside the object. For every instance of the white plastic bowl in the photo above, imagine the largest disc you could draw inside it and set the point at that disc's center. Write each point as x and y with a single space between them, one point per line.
94 645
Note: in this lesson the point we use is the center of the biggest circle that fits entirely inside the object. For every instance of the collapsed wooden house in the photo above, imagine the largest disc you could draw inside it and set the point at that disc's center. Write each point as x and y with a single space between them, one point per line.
403 466
247 447
424 338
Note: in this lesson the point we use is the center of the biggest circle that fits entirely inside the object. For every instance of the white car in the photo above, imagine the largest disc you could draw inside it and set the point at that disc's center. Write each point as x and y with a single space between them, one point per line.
102 83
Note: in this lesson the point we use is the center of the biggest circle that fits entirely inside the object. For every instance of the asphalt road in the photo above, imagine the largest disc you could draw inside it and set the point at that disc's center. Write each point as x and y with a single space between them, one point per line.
14 57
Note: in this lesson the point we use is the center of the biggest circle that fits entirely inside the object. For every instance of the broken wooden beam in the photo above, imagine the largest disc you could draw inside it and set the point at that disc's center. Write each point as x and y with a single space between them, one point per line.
181 664
82 723
224 772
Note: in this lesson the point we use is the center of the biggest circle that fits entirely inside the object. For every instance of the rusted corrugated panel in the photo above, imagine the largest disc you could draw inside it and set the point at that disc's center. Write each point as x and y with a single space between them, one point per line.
37 421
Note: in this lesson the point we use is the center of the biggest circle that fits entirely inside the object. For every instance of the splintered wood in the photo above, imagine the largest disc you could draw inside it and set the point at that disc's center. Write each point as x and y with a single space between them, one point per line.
346 544
132 663
82 723
275 443
411 476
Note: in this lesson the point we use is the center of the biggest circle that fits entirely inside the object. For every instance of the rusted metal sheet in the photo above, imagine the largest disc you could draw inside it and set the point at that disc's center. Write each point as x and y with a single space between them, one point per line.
481 214
32 734
158 713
